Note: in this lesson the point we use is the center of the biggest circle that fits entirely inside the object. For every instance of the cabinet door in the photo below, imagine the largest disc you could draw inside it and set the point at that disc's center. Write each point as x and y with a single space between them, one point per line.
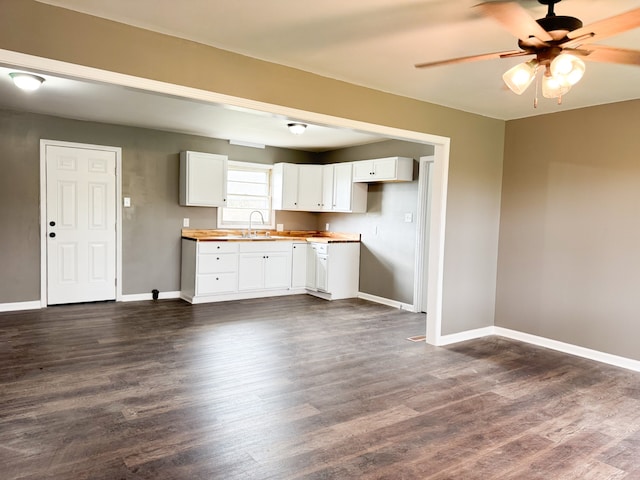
277 270
343 187
328 187
311 267
310 187
385 168
363 171
322 273
251 271
203 179
285 186
299 265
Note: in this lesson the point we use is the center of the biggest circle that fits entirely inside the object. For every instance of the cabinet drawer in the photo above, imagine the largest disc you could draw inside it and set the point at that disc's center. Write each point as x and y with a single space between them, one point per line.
217 247
217 283
217 263
320 248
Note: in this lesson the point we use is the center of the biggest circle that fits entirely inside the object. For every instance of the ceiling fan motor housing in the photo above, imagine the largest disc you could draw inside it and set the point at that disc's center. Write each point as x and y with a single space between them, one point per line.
560 23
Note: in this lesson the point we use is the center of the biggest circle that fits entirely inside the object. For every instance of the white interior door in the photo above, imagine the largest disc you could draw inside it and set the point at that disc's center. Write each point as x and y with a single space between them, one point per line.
81 224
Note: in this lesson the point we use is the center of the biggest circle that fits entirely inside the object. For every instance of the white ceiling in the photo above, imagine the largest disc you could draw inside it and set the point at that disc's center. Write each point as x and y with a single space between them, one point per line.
100 102
373 43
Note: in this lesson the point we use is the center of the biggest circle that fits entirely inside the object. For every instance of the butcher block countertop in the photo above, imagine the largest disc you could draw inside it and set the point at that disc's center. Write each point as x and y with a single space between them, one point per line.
272 235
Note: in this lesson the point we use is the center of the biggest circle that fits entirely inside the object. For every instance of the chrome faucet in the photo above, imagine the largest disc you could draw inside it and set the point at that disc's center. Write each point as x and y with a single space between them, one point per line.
249 234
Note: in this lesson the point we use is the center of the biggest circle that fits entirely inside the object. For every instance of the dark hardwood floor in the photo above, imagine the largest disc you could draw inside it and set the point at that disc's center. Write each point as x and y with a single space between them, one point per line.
296 387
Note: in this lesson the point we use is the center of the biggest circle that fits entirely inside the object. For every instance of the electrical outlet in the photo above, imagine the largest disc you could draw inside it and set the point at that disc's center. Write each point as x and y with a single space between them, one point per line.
279 227
408 217
126 202
185 222
326 227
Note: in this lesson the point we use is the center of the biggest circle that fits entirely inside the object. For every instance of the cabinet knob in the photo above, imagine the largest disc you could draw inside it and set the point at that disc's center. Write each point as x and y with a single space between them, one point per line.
217 258
218 247
52 235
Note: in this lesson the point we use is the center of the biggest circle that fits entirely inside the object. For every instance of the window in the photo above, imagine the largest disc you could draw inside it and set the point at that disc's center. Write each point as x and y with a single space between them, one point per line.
248 189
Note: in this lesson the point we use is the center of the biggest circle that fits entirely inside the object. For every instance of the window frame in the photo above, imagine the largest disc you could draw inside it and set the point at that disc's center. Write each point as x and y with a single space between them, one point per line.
258 226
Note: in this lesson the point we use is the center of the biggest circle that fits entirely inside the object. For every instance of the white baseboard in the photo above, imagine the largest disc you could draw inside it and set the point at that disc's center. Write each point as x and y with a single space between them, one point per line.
386 301
583 352
137 297
13 307
556 345
464 336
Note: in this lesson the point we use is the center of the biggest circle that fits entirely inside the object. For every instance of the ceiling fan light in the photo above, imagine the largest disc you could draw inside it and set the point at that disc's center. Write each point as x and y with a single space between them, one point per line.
567 68
553 88
520 77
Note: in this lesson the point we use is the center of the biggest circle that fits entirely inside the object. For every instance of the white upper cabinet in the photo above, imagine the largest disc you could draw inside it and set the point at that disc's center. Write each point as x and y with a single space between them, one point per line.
203 179
346 195
389 169
284 178
328 179
310 187
317 188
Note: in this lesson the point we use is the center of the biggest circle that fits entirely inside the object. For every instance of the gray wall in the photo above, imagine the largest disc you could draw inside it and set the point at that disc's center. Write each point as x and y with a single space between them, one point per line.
569 251
150 162
388 243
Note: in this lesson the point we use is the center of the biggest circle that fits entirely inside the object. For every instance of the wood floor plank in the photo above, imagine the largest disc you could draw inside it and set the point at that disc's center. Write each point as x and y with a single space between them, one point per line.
296 388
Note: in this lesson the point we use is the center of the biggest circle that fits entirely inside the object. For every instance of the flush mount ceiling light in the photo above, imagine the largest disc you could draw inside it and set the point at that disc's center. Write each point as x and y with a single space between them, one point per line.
297 128
26 81
559 43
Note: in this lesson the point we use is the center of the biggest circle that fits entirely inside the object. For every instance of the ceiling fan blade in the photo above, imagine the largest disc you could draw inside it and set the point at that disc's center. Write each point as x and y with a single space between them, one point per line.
472 58
515 19
602 53
607 27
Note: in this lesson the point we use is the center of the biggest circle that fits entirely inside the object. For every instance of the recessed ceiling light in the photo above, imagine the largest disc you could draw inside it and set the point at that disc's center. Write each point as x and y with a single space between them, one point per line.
26 81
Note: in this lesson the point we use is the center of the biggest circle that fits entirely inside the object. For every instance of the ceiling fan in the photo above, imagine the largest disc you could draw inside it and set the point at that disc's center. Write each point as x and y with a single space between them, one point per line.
558 43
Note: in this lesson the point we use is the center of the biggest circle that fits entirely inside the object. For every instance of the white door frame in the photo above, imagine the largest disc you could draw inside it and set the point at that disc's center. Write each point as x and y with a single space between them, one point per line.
425 172
441 151
43 210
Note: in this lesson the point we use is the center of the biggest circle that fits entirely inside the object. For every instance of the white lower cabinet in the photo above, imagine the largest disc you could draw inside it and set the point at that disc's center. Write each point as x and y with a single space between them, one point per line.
333 270
208 268
264 265
220 270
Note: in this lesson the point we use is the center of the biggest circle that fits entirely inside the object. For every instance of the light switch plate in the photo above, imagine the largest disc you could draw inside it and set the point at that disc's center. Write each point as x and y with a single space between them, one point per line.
126 202
408 217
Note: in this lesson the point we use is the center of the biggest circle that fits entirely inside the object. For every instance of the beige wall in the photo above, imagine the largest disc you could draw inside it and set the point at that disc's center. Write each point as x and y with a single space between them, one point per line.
476 142
569 256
